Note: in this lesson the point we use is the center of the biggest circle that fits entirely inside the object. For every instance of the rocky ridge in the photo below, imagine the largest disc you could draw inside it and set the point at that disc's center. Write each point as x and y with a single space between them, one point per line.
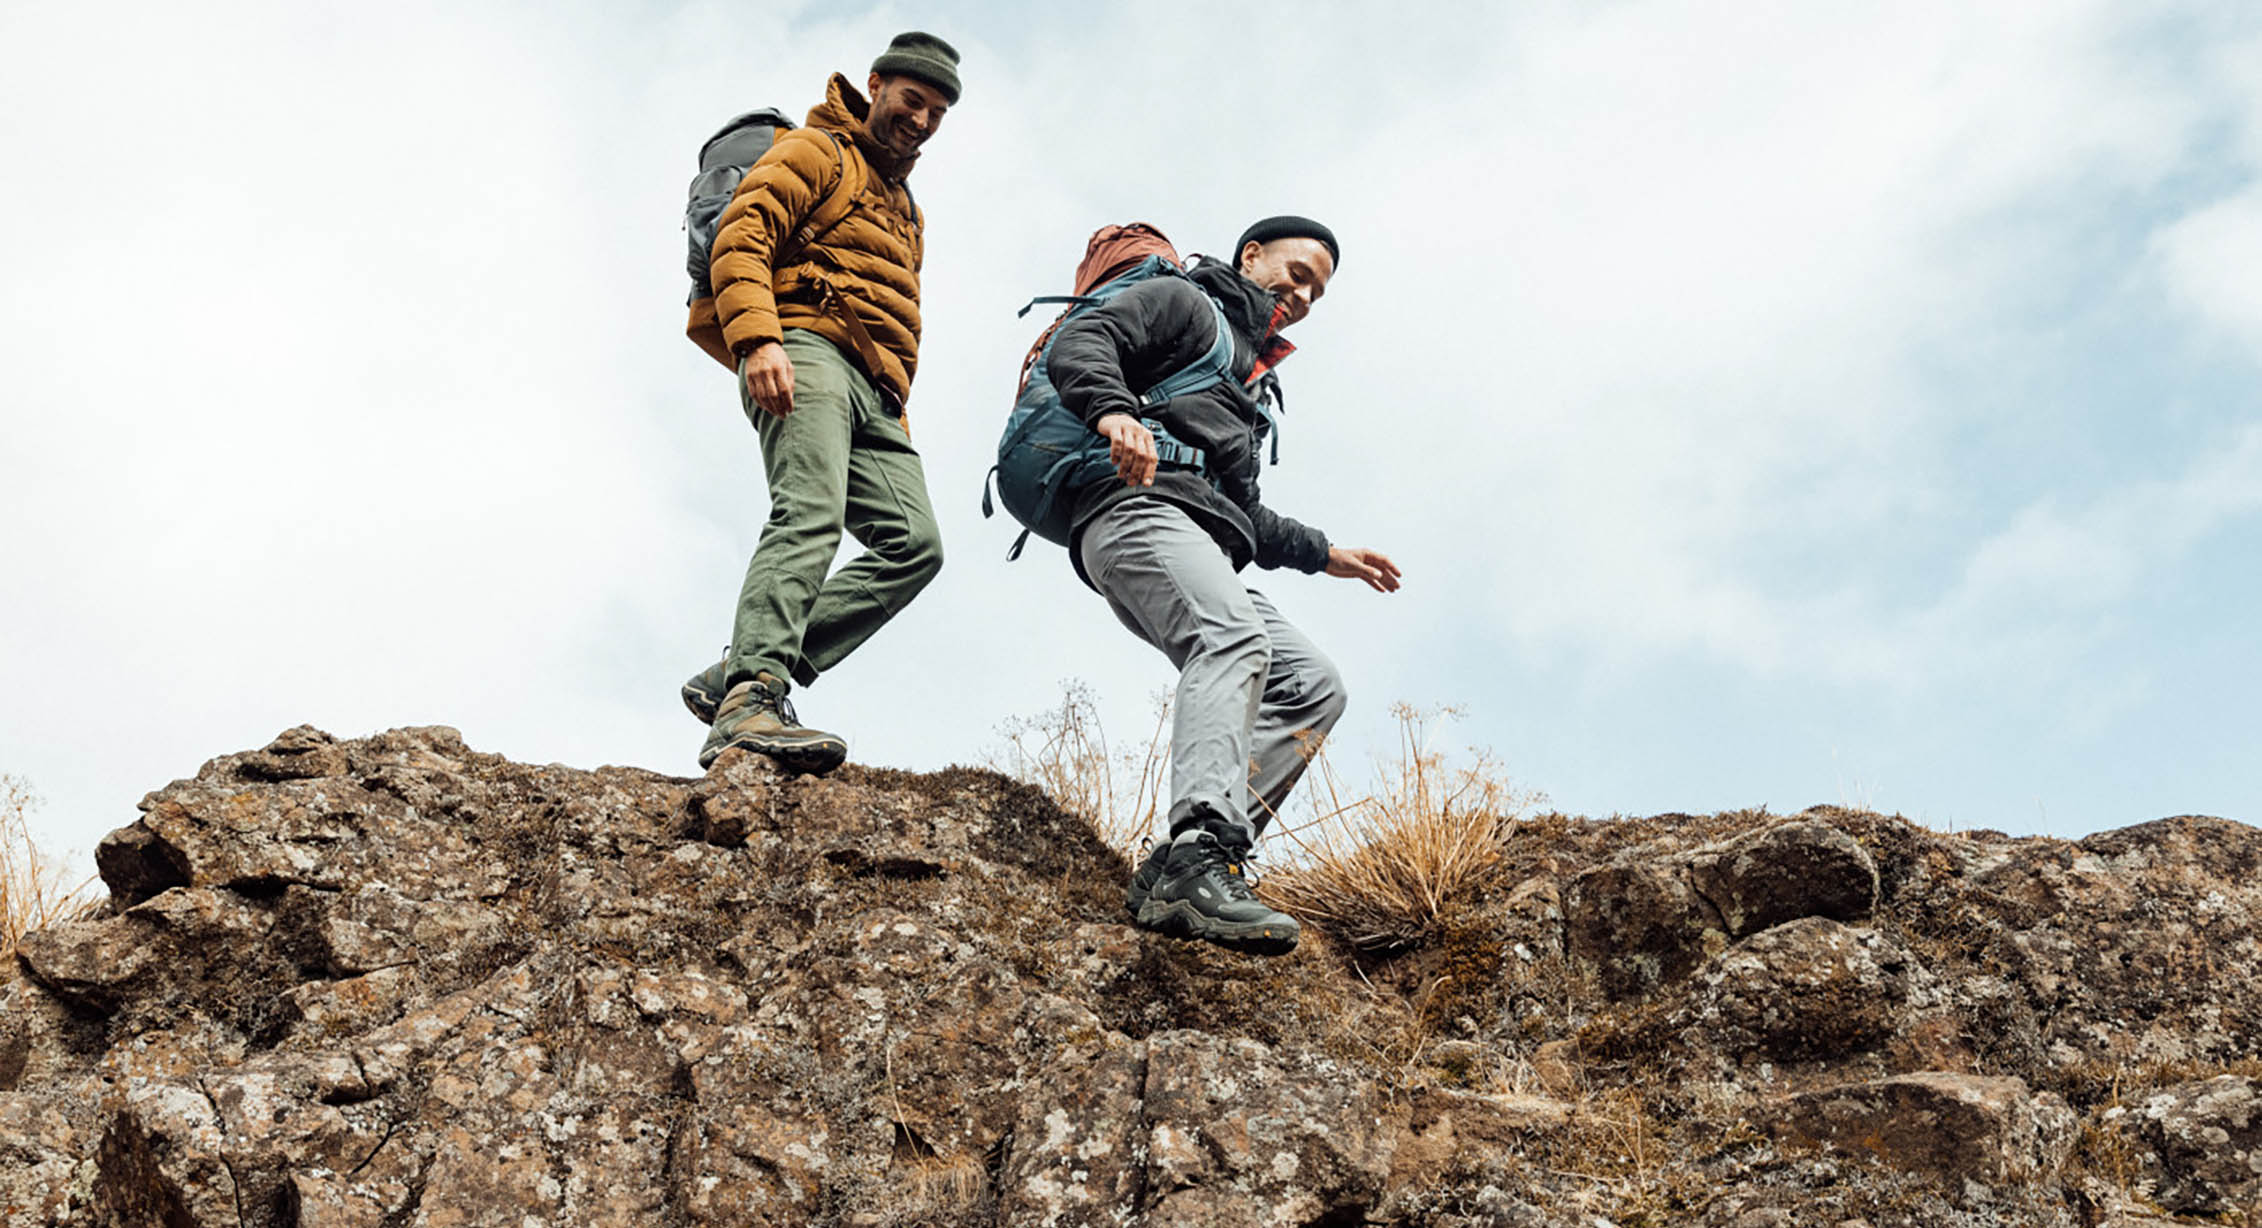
393 981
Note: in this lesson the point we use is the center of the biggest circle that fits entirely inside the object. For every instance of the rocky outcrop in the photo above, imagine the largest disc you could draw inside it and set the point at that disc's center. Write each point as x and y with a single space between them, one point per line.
2202 1145
1646 920
394 981
1956 1126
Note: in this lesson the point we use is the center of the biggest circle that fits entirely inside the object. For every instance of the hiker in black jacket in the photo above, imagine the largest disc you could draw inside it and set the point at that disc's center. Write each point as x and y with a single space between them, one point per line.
1163 543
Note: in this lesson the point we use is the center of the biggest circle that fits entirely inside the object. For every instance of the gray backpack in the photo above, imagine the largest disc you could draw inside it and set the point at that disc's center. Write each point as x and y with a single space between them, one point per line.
723 161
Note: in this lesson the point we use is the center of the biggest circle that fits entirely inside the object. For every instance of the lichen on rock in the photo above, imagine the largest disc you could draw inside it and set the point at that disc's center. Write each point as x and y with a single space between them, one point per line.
393 981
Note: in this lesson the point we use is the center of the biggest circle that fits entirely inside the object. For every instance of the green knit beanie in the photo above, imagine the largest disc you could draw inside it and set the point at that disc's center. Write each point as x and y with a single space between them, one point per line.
923 56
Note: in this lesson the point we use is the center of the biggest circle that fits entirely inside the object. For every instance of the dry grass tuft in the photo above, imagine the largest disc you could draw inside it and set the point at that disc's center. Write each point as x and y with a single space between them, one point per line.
1065 752
1381 869
32 893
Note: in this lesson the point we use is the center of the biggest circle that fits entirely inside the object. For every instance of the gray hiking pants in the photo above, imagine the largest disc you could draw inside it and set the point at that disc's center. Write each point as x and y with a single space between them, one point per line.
1255 696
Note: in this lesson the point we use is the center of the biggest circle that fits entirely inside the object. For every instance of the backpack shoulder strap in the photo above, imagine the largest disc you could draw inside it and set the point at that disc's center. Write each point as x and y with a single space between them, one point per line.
836 201
1211 368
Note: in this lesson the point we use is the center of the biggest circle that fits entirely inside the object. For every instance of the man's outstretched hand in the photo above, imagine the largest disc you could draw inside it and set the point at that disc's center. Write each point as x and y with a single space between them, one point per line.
1130 447
769 378
1358 563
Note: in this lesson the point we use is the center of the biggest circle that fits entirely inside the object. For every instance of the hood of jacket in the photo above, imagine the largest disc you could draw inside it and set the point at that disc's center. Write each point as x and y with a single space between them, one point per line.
843 111
1247 307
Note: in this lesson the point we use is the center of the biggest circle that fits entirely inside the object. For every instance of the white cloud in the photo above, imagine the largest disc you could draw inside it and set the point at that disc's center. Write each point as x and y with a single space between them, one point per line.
346 385
2209 258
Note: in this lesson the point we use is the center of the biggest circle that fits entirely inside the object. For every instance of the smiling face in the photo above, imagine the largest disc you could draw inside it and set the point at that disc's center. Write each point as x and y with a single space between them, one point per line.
905 112
1293 270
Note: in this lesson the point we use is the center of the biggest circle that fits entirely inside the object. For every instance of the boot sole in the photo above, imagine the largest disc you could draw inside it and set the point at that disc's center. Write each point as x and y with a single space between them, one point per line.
813 757
1135 897
1178 919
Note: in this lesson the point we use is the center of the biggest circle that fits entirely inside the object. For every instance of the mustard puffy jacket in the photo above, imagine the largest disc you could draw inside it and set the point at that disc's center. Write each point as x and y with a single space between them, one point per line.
871 256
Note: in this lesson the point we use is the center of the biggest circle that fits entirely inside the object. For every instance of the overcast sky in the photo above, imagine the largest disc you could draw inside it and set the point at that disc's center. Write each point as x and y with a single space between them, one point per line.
1768 403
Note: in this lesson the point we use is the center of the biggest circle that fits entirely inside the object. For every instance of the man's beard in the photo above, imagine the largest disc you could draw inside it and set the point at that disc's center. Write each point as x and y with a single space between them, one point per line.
898 137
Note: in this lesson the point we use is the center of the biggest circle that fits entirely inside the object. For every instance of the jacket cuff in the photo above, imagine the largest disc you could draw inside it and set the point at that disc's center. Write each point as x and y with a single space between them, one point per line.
749 334
1103 406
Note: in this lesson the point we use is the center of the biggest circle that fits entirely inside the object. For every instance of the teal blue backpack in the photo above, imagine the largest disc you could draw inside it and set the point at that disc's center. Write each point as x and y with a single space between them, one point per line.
1047 452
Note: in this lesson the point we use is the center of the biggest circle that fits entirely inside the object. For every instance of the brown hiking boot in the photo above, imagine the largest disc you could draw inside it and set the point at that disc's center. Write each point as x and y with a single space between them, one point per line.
755 716
703 692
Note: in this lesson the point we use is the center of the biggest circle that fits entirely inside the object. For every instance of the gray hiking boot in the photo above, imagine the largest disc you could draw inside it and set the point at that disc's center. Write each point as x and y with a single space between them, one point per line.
703 692
755 716
1202 894
1144 878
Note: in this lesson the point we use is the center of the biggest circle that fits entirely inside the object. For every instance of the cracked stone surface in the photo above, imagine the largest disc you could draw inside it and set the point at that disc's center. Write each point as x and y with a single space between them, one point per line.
393 982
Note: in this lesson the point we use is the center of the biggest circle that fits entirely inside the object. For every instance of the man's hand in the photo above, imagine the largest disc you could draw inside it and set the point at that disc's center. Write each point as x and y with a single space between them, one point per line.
1131 447
769 378
1372 566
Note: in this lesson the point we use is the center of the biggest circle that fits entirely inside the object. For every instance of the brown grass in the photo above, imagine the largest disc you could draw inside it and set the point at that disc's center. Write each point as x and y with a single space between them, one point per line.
32 890
1065 752
1381 868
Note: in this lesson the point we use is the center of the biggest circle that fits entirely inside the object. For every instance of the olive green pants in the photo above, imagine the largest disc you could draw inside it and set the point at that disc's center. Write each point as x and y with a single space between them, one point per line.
840 461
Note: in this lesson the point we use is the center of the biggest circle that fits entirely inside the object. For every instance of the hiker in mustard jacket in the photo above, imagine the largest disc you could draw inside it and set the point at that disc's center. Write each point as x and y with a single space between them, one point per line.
816 279
1164 544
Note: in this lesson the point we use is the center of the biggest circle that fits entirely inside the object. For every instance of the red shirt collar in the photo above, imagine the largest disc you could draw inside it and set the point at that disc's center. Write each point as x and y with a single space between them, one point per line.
1274 349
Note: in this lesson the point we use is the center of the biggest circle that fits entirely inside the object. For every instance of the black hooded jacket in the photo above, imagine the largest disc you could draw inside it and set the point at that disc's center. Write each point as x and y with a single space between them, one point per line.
1103 356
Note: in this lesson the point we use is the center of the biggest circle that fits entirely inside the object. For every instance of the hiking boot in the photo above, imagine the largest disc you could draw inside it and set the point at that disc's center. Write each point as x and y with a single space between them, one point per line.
1144 878
703 692
1202 894
756 716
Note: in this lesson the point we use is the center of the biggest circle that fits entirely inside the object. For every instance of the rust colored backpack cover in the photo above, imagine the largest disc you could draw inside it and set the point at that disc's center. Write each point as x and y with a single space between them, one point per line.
1112 252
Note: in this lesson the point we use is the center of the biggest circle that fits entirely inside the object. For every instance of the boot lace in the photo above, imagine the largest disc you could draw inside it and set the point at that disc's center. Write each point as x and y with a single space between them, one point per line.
774 699
1229 867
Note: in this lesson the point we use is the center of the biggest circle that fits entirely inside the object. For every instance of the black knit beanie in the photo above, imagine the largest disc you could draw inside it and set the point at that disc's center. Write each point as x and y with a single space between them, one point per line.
1287 226
924 56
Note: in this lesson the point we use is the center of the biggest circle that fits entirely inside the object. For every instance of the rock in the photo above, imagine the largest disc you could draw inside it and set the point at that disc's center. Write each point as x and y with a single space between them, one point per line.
41 1039
1077 1156
136 863
2203 1144
44 1178
320 1198
1638 925
1644 922
156 949
392 981
162 1161
303 753
89 964
1799 869
736 800
1950 1125
1805 990
1442 1126
326 833
1237 1138
2190 843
